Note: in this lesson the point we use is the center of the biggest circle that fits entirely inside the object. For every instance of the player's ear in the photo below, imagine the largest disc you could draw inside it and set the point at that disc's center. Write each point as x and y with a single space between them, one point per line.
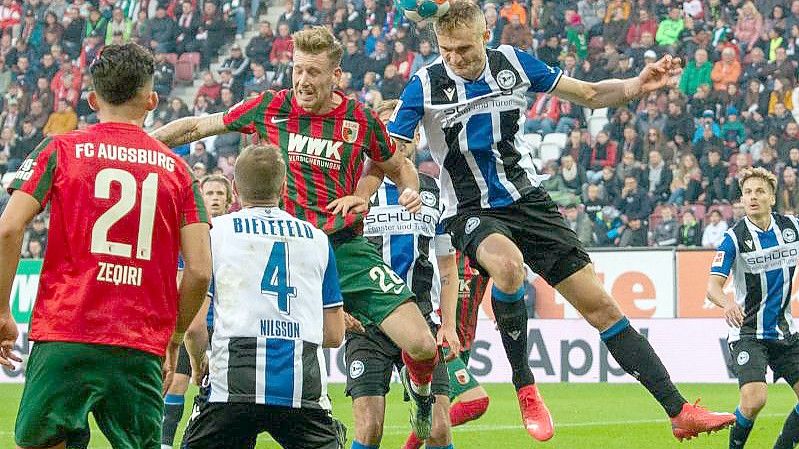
337 75
152 101
92 99
235 189
486 36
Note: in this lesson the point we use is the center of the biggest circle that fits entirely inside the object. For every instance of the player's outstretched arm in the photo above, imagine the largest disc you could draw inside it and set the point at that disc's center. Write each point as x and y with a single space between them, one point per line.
190 129
614 92
19 212
333 327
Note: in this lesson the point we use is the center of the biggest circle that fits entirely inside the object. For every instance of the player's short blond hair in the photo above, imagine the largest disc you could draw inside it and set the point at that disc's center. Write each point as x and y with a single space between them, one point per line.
319 39
260 173
461 14
222 180
760 173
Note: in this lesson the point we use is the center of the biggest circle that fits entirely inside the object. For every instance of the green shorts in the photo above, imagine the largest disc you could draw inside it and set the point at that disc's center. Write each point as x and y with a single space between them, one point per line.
370 288
461 379
66 381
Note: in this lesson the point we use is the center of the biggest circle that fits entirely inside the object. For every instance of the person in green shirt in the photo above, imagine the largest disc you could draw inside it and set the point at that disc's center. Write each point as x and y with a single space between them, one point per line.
696 73
670 28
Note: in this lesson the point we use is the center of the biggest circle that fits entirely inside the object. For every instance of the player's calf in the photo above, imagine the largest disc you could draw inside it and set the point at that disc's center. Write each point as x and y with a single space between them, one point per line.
789 436
368 413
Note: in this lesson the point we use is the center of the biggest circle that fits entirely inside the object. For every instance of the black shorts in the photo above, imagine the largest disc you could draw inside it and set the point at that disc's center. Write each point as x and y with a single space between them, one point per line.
750 357
184 363
236 425
371 358
535 225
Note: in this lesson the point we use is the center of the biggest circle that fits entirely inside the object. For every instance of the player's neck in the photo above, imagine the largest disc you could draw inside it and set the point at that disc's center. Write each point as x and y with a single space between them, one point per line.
762 221
247 205
110 115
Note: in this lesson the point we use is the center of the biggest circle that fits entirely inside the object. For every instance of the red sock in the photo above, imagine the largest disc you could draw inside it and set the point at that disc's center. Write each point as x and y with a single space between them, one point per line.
463 412
420 371
413 442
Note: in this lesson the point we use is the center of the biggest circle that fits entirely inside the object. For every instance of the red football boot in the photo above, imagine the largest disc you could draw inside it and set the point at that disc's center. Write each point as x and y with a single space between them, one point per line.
694 420
535 414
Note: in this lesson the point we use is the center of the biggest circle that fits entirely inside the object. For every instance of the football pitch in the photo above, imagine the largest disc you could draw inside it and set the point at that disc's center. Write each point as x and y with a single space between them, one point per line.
587 416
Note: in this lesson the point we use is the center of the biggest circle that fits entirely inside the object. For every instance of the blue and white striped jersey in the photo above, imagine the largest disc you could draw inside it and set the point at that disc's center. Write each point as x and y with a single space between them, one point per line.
410 243
474 128
273 277
762 264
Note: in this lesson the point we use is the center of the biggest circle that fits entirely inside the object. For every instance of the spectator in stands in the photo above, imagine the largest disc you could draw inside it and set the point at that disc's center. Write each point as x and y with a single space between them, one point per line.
667 230
656 178
738 213
632 142
603 154
62 120
426 55
210 87
175 110
37 115
782 67
494 24
733 130
715 174
669 28
778 121
228 81
611 187
119 24
402 59
199 170
392 84
628 166
227 145
517 34
577 147
579 222
788 191
212 31
282 72
258 82
550 51
281 44
726 71
188 27
793 159
686 184
238 64
707 123
28 140
749 26
8 143
696 73
690 234
593 201
290 17
677 122
756 68
226 100
202 106
644 23
200 154
573 175
635 207
788 140
37 232
607 227
767 160
620 120
356 63
260 46
164 75
714 230
780 93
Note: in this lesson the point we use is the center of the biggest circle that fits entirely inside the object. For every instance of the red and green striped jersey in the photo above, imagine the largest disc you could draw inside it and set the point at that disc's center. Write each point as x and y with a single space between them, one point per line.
118 199
324 153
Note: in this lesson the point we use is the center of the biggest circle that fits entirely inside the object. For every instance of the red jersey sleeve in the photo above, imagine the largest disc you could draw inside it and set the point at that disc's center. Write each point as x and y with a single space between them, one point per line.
36 174
244 116
379 145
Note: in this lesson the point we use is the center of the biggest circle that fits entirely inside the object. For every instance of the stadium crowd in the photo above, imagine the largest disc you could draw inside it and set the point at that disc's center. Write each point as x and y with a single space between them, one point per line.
661 171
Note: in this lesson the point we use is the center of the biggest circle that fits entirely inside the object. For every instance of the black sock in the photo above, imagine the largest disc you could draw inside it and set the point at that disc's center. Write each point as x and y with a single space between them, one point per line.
511 315
635 355
740 431
173 413
789 436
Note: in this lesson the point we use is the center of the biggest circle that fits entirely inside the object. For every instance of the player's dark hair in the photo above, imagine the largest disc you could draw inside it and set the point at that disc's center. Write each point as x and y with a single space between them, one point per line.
260 173
120 71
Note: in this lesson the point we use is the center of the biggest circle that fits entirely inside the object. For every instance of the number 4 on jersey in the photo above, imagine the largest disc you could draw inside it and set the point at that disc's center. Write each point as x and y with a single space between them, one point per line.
275 281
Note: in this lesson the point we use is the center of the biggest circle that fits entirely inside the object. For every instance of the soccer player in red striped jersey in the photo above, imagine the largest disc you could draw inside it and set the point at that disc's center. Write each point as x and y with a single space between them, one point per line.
325 138
122 205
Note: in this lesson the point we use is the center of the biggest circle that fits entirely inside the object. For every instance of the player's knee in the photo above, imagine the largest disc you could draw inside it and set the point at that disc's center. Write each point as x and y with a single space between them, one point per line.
508 274
423 347
439 433
179 385
603 313
752 403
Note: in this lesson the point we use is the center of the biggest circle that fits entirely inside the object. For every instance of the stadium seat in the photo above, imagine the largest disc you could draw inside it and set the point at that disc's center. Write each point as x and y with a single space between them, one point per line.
551 146
533 142
699 210
596 123
193 57
184 72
